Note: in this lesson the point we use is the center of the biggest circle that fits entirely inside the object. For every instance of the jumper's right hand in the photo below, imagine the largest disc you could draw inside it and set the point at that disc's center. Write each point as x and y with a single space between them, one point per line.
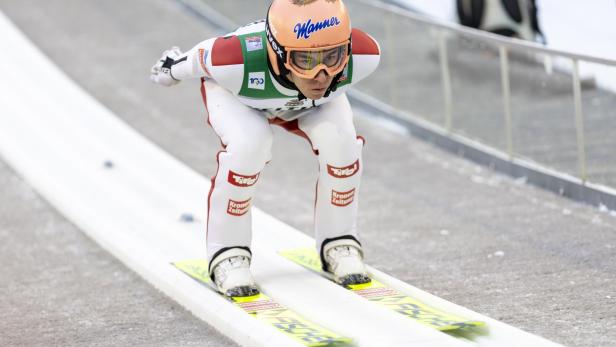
161 71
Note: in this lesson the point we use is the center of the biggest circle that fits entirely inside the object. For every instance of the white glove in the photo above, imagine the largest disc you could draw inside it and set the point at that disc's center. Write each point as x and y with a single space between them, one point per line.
161 71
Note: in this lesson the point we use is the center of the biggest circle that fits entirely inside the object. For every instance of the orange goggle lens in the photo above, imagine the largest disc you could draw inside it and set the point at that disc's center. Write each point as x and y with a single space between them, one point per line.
309 63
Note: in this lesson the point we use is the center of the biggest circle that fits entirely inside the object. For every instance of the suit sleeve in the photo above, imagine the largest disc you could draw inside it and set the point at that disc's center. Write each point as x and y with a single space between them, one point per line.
193 64
220 59
366 55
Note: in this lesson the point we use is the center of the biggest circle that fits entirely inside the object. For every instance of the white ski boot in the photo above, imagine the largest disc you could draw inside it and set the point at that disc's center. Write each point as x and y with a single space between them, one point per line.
344 262
231 273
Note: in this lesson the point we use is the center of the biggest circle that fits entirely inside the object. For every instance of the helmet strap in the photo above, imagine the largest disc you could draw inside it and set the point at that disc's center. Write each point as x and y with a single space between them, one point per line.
282 77
334 85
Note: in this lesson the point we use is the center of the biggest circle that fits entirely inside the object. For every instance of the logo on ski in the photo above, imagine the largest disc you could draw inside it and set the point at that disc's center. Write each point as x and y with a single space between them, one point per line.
268 311
238 208
241 180
257 306
343 172
388 297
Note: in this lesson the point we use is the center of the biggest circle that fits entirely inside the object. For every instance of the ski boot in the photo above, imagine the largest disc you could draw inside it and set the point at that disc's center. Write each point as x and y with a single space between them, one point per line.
343 260
230 271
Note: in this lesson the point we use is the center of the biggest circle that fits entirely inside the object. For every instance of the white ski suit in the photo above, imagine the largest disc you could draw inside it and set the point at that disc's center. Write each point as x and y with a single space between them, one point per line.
243 99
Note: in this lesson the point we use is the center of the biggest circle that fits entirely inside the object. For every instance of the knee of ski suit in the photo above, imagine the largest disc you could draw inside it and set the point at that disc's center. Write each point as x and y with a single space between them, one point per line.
252 150
336 146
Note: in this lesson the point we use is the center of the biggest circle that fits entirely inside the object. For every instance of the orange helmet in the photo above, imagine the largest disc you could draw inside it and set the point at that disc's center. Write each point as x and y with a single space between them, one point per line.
307 36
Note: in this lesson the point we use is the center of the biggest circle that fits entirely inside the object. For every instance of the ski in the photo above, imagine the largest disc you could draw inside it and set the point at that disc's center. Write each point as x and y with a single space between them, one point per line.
388 297
270 312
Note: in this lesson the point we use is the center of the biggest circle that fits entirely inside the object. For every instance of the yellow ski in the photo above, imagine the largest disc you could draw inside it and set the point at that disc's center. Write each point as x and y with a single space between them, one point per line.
388 297
269 311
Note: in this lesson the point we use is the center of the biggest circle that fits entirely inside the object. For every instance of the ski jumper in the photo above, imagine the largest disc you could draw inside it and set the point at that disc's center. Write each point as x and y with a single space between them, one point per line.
243 98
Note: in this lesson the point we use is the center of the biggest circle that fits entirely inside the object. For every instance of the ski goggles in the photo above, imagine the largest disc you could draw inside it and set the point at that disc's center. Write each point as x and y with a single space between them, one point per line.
308 63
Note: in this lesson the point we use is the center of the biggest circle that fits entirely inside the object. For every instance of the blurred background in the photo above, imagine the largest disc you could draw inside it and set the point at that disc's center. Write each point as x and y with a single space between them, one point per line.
542 121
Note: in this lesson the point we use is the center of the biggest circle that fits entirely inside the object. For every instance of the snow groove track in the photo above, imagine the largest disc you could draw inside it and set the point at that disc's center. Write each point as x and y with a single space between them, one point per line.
59 138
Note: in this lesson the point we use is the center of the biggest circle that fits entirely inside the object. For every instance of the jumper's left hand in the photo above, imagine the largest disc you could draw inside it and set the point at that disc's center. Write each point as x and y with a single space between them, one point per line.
161 71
